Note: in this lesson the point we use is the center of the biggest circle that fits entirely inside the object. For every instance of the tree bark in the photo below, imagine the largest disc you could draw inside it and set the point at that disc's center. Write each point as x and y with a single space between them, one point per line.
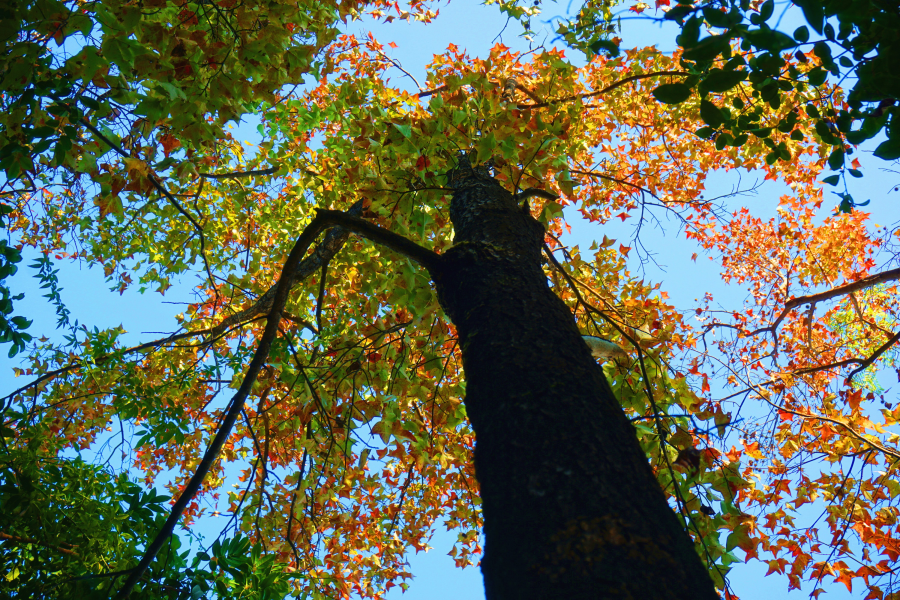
571 507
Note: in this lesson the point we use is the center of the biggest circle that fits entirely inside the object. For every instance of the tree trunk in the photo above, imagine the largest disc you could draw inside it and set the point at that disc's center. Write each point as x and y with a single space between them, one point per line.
571 507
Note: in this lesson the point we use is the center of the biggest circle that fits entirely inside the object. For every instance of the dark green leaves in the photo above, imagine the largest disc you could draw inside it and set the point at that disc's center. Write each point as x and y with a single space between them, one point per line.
711 113
690 32
717 18
801 34
824 132
836 160
817 76
718 80
708 48
679 12
823 51
606 45
769 39
814 13
889 150
672 93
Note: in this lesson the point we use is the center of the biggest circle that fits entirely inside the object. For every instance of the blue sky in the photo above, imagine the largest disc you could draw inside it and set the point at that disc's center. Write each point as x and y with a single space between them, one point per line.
476 28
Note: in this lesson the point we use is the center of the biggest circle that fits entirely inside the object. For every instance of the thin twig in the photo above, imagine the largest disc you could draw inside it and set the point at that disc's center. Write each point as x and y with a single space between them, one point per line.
608 88
238 174
162 190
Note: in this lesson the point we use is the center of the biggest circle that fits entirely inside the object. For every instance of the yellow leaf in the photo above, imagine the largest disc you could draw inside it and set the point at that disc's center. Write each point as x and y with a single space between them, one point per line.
135 167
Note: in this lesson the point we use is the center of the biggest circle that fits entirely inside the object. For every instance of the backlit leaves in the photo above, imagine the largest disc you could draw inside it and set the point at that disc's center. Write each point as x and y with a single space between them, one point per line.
354 443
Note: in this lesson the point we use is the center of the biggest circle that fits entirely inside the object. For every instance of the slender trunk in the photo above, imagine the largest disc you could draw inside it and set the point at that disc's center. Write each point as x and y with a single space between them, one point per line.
571 507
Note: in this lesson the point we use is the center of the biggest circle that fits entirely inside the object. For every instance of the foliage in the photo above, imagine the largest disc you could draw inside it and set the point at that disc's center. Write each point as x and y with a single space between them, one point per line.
589 30
851 40
355 443
65 522
11 328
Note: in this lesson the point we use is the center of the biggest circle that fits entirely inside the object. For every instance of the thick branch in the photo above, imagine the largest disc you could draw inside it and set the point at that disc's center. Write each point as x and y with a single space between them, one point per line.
322 220
324 251
399 244
532 192
847 288
875 355
26 540
865 282
282 289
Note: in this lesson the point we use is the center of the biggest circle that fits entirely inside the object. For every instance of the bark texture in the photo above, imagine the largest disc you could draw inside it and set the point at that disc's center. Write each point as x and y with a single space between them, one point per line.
571 507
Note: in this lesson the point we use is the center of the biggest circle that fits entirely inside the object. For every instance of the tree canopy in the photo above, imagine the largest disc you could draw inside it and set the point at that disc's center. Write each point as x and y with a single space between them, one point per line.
364 278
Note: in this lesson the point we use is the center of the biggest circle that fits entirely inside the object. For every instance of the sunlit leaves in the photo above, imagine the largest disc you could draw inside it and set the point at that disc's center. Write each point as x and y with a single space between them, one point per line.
360 404
672 93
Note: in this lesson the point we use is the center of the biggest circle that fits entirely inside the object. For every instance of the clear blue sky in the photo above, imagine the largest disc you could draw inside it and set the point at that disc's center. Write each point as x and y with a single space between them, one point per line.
474 27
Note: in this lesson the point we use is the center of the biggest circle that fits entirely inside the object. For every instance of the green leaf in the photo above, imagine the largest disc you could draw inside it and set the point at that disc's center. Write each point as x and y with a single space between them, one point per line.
817 76
823 51
801 34
672 93
889 150
762 132
690 33
611 48
711 114
824 132
770 39
832 179
724 139
716 17
855 173
814 12
405 130
708 48
836 160
721 81
21 322
679 12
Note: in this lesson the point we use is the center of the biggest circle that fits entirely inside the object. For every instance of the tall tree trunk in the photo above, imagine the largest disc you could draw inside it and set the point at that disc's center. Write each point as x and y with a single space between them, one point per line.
571 507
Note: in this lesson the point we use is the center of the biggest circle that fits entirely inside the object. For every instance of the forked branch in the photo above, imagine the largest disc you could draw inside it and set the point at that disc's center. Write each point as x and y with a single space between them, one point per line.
812 299
322 220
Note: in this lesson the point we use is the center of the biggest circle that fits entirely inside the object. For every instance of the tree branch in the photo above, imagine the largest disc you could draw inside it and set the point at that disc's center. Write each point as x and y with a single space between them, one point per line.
399 244
875 355
162 190
865 282
100 360
608 88
282 289
323 219
531 192
847 288
237 174
323 253
876 445
26 540
619 181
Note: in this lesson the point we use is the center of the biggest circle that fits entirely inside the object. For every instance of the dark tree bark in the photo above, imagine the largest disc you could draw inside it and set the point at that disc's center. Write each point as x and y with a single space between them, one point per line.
571 507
